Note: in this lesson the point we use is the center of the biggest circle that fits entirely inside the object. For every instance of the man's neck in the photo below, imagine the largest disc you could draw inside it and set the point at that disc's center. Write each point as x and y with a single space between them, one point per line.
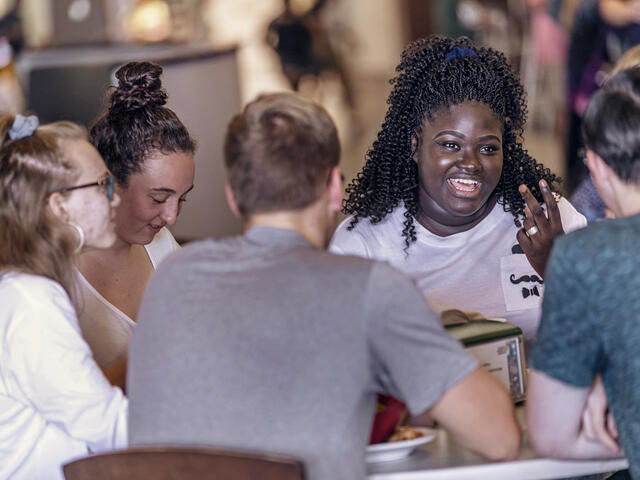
627 201
307 223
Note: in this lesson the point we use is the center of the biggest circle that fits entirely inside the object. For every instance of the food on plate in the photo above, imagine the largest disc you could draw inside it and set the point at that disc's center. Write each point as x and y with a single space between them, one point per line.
405 432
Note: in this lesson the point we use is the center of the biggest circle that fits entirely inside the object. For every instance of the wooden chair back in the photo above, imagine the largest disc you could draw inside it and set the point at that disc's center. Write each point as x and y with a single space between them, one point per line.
180 463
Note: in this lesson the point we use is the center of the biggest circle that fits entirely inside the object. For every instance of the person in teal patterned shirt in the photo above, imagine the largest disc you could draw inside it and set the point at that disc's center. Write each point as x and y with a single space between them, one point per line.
585 365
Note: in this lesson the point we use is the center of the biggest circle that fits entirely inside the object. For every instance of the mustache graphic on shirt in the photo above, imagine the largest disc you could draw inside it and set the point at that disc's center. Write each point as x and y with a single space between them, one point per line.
526 278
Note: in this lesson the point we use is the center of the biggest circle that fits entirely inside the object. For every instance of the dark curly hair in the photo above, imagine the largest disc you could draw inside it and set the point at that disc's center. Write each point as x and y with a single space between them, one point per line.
426 82
136 123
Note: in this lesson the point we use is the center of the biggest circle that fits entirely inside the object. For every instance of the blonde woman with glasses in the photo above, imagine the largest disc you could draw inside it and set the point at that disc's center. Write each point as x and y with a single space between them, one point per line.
56 200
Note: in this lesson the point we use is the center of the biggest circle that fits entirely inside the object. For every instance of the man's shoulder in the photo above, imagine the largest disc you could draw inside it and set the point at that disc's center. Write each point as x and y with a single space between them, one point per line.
237 253
205 250
600 237
350 269
600 257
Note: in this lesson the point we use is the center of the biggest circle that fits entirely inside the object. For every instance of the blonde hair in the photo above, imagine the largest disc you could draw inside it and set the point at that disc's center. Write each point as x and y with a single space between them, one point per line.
32 238
630 58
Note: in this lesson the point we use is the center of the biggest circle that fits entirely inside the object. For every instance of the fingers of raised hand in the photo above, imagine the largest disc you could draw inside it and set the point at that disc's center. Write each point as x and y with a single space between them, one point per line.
548 224
553 212
533 211
524 240
530 223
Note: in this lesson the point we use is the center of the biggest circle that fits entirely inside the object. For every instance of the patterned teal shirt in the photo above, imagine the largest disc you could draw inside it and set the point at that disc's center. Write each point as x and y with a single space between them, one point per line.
591 320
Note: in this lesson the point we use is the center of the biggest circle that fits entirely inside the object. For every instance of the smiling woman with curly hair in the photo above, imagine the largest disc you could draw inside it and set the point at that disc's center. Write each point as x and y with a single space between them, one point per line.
449 195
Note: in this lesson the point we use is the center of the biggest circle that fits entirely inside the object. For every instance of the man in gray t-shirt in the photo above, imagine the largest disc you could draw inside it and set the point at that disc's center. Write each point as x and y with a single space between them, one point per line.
266 342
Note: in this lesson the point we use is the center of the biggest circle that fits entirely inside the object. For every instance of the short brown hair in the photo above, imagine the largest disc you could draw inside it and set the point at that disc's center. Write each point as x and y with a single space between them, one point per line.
278 153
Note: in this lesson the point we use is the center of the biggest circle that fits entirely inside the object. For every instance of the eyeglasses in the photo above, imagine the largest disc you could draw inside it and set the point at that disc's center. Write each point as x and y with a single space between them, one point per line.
106 182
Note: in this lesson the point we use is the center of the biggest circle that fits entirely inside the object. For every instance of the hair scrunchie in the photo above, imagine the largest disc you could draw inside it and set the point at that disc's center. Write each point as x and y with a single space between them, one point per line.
457 52
23 126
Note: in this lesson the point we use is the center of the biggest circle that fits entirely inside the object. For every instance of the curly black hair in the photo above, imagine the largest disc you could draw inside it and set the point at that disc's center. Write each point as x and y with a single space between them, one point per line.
136 123
431 76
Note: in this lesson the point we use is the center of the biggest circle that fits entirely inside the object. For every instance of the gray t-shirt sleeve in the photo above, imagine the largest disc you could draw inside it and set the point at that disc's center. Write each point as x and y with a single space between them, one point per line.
568 346
413 357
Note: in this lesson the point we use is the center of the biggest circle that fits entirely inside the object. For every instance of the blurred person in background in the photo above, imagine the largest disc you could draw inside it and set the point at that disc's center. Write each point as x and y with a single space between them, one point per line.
56 201
11 43
585 197
306 46
151 155
602 30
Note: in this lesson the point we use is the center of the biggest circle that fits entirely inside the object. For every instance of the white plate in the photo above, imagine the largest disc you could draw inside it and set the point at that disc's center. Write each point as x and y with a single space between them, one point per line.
388 451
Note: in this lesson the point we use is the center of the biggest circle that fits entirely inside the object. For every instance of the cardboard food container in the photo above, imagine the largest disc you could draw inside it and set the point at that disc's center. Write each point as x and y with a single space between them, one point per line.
499 347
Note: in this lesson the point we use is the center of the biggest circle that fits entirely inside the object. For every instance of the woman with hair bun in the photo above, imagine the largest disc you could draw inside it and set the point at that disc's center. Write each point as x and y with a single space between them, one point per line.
151 155
449 195
56 200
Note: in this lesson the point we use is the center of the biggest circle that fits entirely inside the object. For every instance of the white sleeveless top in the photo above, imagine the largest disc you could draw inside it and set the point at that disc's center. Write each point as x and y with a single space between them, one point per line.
105 328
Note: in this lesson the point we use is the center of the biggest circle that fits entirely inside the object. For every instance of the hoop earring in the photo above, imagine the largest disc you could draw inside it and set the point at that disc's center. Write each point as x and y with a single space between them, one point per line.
78 229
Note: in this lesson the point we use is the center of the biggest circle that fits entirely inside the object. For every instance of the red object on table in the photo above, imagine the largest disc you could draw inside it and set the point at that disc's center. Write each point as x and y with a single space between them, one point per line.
390 412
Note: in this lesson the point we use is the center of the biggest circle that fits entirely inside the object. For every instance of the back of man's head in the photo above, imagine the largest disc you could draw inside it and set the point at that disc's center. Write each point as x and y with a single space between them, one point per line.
611 124
279 152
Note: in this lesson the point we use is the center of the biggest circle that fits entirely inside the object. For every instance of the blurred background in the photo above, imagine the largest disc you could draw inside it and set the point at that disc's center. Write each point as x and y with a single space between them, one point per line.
58 56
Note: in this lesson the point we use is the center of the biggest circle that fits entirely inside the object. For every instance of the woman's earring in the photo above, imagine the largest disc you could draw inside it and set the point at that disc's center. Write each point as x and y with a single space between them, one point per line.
78 229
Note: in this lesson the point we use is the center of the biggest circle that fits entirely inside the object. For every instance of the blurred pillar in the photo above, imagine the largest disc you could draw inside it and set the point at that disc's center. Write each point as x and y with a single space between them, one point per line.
420 18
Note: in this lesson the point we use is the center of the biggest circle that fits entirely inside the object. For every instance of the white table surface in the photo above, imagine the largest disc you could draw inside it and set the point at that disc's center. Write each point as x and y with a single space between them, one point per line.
443 459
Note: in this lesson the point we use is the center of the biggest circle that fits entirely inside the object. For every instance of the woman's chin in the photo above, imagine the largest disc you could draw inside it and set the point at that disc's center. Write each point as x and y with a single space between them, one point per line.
470 208
104 242
143 237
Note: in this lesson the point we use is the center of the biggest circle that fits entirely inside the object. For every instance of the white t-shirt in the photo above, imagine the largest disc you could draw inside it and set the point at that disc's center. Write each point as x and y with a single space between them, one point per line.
474 270
55 404
104 326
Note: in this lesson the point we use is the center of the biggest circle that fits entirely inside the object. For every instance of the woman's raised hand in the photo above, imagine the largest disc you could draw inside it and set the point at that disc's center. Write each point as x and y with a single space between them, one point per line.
540 228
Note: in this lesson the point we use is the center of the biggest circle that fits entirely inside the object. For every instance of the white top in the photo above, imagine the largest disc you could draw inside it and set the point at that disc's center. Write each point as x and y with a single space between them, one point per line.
106 328
55 404
474 270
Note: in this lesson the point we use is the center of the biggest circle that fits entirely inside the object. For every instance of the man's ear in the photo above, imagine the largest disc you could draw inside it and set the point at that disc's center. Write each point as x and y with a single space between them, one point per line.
606 181
600 171
231 200
335 189
58 205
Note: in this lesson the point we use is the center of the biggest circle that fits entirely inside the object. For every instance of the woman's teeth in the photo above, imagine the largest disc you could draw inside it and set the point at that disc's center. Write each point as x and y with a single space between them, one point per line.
464 184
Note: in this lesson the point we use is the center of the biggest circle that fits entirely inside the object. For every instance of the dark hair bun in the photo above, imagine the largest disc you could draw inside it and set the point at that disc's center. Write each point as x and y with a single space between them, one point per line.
139 86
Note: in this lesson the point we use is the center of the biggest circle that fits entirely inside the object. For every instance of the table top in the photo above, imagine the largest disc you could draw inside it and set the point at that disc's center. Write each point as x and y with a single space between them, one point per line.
444 459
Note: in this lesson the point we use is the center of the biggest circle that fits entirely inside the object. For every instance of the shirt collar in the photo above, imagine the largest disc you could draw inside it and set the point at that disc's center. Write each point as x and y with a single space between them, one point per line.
275 237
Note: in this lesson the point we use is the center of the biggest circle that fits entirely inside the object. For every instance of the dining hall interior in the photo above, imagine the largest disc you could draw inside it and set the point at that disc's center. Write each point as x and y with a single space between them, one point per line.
185 186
